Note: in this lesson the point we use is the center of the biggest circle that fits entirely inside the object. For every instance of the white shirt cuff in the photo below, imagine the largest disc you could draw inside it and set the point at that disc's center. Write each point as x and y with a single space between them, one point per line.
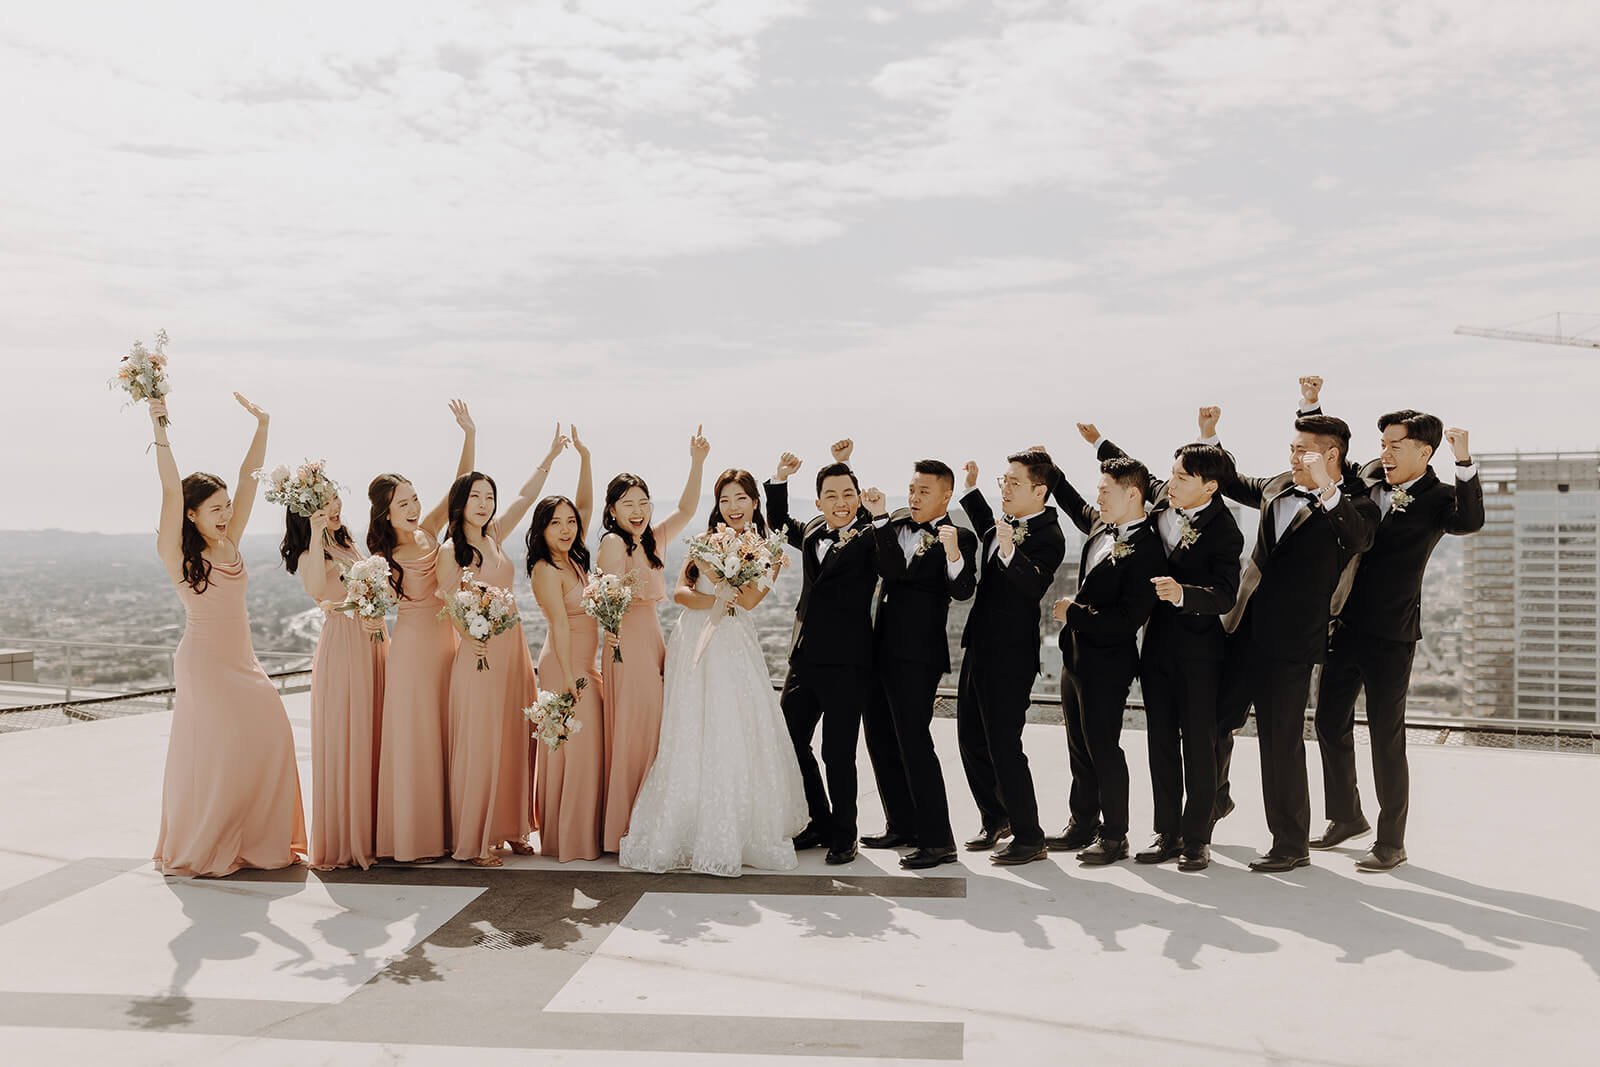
1329 503
1463 473
1179 604
954 569
1304 408
1212 440
1005 557
879 521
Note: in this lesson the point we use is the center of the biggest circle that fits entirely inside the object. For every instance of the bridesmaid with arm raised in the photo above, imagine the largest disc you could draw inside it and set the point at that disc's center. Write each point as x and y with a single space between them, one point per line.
570 781
489 759
631 691
230 797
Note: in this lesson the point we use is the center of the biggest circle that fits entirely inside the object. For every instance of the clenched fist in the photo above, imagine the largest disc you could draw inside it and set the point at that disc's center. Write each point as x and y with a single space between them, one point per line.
1167 589
950 538
1458 443
1087 431
841 450
1310 390
972 473
1209 416
1059 612
788 463
873 499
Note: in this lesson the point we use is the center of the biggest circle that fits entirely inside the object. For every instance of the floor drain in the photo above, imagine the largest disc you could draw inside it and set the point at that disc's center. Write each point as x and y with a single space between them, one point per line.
508 939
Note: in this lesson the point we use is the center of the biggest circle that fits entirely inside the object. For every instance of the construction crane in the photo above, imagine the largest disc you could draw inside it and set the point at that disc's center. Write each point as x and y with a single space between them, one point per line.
1561 336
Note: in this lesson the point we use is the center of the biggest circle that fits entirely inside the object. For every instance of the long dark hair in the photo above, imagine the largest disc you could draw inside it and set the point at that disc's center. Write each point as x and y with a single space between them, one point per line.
539 549
456 509
381 538
615 491
747 482
297 538
197 489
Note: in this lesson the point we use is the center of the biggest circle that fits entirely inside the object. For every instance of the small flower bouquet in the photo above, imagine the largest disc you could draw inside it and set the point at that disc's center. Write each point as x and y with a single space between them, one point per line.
736 559
553 718
481 610
606 600
304 490
142 374
367 592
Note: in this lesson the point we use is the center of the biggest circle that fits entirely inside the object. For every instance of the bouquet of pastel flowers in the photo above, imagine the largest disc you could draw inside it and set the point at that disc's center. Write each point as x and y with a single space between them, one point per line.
142 374
304 490
367 592
606 599
482 610
554 717
736 559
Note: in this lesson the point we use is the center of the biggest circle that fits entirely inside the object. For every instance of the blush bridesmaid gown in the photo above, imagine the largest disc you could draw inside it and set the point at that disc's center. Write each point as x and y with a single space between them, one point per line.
413 792
488 737
347 683
631 692
230 797
571 780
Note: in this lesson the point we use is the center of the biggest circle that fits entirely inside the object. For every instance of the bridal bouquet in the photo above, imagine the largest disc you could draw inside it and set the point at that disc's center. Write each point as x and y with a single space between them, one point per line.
736 559
606 599
482 610
304 490
142 374
553 716
367 592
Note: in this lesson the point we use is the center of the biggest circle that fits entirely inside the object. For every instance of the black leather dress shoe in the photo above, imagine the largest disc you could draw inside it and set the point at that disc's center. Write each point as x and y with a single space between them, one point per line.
841 853
1338 833
1016 853
1272 863
987 838
1165 847
1381 858
1074 838
923 858
889 839
1195 857
1104 850
1222 810
810 837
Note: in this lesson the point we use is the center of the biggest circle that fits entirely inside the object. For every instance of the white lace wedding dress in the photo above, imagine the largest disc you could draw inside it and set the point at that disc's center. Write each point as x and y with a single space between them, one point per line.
724 791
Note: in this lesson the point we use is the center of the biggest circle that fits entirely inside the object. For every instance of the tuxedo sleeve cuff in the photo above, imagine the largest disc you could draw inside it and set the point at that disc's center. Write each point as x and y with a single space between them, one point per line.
1003 557
1212 440
1469 471
1331 502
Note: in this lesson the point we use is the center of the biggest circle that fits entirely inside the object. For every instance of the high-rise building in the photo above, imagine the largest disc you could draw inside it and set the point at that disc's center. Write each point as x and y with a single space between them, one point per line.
1529 648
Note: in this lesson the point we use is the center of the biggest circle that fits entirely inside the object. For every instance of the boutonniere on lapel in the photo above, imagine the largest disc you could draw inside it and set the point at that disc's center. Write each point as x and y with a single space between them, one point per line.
1400 500
925 541
1019 532
848 534
1188 532
1120 550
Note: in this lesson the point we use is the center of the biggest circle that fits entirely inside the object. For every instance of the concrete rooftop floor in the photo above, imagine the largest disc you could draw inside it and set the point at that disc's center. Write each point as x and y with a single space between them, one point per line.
1484 949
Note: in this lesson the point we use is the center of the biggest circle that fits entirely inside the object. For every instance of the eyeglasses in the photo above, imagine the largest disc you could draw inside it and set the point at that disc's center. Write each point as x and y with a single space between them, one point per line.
1008 480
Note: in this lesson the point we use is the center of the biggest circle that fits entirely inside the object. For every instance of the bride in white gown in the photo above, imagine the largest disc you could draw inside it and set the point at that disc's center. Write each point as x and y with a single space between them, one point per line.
725 790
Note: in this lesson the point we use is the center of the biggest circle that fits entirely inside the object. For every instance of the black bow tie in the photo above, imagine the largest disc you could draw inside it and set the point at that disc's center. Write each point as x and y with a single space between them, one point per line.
1013 523
920 527
1309 495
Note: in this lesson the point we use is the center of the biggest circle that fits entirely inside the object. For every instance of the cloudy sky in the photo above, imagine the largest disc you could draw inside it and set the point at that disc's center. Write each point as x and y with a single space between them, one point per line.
942 227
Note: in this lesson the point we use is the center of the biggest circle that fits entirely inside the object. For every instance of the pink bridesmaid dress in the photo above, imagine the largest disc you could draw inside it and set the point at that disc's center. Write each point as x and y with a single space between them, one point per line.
413 789
488 736
230 797
571 780
347 683
632 694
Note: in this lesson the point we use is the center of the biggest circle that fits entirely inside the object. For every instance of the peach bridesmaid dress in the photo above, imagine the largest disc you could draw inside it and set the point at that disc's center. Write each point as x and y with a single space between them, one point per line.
489 766
571 780
413 791
632 693
231 794
347 682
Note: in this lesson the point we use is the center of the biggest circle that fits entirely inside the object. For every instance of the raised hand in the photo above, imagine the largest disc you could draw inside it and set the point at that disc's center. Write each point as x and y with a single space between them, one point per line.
1168 589
1458 443
319 524
1314 462
261 416
1209 417
558 444
972 473
841 450
158 411
788 464
950 538
873 499
1087 431
699 447
1310 390
577 442
458 408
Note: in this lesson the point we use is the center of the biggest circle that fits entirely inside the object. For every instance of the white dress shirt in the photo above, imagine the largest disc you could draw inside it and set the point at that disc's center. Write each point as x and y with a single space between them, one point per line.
1100 548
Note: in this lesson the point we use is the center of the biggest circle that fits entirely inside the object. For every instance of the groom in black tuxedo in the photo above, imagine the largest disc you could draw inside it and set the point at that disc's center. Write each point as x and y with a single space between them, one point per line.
1316 518
1380 624
1019 556
1180 665
925 561
1099 651
830 653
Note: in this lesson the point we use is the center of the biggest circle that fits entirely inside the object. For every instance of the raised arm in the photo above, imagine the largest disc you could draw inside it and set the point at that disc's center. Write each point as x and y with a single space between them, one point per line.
689 499
584 501
547 591
1465 515
777 494
244 493
313 567
1240 488
433 522
1082 513
974 505
169 534
528 495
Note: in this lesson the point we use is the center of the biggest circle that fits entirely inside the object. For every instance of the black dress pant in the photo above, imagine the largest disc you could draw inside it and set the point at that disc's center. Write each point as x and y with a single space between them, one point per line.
1233 707
1093 698
1384 668
1180 700
1279 690
991 709
836 696
899 734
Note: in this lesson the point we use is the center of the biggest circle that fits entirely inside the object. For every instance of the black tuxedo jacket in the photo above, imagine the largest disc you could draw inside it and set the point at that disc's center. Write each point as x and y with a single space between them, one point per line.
1005 618
1208 570
833 619
1289 585
914 599
1386 595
